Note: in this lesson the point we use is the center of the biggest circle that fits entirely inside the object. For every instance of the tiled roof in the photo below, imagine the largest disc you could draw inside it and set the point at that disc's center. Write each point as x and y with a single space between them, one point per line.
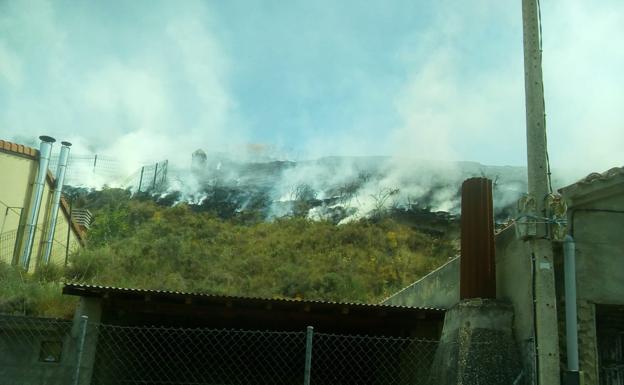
593 182
600 177
594 187
19 149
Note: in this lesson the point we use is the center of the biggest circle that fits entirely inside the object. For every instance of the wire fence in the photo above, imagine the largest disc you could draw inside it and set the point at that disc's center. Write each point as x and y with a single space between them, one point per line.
7 246
35 351
85 169
58 351
148 178
59 253
95 170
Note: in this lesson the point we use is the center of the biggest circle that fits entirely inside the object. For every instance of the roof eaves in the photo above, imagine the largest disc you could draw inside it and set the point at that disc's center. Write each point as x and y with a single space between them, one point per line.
18 149
97 290
594 186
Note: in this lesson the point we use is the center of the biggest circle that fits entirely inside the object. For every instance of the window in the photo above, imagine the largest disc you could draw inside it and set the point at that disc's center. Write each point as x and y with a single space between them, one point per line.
50 351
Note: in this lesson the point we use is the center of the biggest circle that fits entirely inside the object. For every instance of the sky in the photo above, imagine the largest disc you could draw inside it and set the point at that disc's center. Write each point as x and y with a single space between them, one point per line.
147 80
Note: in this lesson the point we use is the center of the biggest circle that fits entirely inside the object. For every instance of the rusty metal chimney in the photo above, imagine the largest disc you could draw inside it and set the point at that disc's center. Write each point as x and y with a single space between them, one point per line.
477 266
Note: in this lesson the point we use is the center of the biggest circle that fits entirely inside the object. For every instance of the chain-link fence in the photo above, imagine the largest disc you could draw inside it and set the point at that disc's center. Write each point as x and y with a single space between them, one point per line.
7 246
42 351
138 355
35 351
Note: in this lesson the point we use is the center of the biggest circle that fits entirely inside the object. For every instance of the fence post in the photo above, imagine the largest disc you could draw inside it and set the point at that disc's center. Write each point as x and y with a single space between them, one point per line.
69 227
308 356
81 342
141 178
155 173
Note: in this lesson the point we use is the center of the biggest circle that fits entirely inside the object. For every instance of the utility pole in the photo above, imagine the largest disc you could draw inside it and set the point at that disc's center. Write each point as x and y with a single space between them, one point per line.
539 246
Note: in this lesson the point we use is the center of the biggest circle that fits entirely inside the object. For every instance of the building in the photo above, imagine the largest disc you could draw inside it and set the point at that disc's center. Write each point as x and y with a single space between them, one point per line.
123 335
19 171
595 208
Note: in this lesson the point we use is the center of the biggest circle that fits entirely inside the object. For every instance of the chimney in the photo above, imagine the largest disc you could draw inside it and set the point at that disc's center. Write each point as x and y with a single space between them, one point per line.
33 216
56 199
477 266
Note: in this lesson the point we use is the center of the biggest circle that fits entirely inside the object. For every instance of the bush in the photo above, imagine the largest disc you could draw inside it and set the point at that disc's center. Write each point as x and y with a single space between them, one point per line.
290 257
38 294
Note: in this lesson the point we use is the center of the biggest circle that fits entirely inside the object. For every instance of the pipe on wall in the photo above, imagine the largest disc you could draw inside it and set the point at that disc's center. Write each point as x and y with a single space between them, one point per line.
45 149
56 199
569 262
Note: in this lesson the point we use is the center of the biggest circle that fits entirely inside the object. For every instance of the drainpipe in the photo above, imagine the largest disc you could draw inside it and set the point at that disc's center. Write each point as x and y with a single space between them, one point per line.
56 199
33 216
570 303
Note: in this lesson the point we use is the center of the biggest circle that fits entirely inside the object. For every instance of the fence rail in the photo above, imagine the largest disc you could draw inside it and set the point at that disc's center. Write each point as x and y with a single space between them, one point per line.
55 350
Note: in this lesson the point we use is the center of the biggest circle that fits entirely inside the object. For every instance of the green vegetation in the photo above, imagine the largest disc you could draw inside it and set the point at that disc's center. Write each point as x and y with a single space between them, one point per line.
33 294
135 242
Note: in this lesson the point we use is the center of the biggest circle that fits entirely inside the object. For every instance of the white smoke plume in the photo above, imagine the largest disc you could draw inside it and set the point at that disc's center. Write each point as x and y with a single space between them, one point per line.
155 81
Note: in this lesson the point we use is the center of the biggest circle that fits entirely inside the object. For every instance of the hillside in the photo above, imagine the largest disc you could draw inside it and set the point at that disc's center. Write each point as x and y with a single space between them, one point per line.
338 189
139 242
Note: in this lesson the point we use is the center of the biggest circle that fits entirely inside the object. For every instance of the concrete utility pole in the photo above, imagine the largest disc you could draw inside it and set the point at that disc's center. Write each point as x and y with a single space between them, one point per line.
547 336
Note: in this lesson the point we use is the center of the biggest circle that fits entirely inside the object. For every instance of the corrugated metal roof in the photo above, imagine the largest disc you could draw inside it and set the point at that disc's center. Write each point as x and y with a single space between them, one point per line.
88 290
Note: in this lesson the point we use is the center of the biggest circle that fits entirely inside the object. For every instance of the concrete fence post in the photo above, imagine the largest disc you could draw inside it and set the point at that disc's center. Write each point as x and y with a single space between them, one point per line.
81 343
85 336
308 356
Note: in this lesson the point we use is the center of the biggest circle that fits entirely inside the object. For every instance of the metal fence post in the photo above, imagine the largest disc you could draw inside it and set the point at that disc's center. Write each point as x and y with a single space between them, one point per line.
155 174
308 356
141 178
81 342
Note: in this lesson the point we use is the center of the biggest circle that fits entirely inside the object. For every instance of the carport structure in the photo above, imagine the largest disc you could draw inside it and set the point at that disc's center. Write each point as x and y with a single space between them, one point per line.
152 336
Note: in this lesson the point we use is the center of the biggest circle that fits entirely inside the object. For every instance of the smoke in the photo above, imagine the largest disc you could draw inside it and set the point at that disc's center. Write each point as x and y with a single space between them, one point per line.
583 58
138 82
145 81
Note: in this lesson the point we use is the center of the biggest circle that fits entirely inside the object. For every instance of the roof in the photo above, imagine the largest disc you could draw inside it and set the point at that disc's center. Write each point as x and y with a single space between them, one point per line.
594 186
19 149
33 153
162 307
86 290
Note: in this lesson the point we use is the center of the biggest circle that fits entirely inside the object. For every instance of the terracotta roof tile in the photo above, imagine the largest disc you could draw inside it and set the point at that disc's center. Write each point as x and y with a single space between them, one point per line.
19 149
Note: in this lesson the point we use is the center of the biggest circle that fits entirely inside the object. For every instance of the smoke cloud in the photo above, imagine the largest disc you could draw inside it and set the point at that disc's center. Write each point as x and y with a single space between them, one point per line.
424 85
143 84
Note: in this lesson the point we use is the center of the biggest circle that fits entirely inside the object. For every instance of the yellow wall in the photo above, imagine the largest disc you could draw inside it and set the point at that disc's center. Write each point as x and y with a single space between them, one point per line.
17 175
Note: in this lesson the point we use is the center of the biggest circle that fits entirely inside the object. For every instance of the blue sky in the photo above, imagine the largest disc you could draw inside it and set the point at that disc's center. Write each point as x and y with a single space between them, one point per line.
437 80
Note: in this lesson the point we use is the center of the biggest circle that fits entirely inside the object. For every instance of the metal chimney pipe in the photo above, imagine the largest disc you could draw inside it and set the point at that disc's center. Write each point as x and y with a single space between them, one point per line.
45 149
56 199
